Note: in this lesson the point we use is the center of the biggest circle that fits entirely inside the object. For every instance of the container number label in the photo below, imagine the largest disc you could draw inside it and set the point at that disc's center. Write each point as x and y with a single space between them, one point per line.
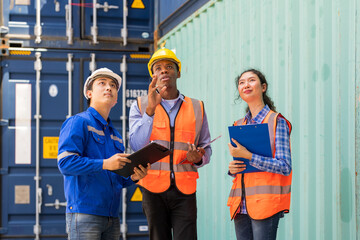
132 94
50 147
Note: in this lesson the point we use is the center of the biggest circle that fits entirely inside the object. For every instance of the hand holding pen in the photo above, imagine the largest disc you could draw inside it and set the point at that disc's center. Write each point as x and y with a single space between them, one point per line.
194 154
199 148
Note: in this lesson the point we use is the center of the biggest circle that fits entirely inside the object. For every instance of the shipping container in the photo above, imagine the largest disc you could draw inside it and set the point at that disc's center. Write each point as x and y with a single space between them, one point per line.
97 24
309 52
40 88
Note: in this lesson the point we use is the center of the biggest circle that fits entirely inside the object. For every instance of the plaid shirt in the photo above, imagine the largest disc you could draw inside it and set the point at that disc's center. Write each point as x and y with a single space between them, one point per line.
281 164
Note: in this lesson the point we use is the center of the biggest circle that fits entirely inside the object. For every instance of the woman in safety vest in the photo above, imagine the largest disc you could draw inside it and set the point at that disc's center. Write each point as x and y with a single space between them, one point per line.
259 199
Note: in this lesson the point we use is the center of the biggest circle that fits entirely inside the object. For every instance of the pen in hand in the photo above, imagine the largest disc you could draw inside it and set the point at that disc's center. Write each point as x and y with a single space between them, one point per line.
207 144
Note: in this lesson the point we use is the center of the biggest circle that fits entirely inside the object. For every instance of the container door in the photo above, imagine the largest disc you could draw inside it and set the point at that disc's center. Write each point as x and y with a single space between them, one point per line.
111 21
32 186
40 20
79 24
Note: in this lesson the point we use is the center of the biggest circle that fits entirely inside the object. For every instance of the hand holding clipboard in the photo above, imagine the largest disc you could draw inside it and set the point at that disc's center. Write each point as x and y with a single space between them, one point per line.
255 138
151 153
207 144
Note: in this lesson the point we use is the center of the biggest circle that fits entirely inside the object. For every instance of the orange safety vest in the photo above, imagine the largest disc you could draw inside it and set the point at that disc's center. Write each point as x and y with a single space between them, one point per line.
188 123
265 193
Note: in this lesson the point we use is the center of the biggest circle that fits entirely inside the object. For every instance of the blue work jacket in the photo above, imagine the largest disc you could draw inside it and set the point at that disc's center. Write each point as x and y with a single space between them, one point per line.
85 140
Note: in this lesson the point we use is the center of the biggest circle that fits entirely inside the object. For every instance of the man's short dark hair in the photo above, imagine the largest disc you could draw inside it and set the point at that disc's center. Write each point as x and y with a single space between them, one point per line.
88 101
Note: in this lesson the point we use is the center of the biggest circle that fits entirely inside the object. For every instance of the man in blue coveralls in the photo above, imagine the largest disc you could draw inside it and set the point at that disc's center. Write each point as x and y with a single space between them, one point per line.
89 146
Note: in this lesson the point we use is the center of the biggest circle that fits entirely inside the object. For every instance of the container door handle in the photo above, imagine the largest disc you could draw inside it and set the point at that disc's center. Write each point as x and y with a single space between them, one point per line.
69 69
124 31
57 204
39 192
106 6
38 200
37 28
68 18
123 69
94 30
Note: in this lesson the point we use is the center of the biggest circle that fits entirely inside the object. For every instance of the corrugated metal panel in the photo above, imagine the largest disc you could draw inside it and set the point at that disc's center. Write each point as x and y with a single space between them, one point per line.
357 123
307 50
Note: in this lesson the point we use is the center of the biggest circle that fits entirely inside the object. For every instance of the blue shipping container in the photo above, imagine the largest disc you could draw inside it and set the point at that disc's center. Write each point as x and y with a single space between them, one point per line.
100 24
40 89
170 13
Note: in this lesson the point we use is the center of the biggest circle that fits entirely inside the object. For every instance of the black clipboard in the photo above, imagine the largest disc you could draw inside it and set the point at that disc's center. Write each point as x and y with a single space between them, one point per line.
254 138
151 153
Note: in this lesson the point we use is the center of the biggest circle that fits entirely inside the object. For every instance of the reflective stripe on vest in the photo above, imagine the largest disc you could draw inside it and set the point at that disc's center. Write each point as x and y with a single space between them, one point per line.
262 190
266 193
188 124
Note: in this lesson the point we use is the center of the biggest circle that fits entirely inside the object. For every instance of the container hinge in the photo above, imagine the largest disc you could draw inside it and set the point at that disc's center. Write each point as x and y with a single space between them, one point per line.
4 29
69 28
4 122
3 230
4 171
4 47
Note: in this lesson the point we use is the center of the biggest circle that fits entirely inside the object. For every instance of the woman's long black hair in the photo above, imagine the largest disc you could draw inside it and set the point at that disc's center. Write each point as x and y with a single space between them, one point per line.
267 100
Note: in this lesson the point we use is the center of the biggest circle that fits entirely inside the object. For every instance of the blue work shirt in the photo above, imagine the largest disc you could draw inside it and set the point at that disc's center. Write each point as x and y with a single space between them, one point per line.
141 127
85 140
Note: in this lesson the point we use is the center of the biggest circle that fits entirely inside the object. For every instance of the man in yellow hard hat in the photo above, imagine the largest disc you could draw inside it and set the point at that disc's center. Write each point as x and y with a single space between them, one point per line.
169 118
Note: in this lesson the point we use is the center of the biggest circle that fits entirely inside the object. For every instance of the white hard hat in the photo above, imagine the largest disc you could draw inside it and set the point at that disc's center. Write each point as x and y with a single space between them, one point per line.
101 72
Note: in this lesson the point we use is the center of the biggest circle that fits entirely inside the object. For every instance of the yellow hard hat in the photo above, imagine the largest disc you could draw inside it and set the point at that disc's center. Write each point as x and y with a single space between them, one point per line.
163 54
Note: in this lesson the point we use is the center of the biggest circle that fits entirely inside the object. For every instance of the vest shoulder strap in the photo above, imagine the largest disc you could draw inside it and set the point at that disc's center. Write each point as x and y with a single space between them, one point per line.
239 122
287 121
198 105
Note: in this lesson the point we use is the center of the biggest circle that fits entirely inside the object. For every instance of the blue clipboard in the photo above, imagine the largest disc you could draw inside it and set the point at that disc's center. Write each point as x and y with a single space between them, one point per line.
254 138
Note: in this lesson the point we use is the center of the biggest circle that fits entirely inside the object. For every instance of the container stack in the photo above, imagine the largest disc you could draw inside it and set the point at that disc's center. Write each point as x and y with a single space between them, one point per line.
48 49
